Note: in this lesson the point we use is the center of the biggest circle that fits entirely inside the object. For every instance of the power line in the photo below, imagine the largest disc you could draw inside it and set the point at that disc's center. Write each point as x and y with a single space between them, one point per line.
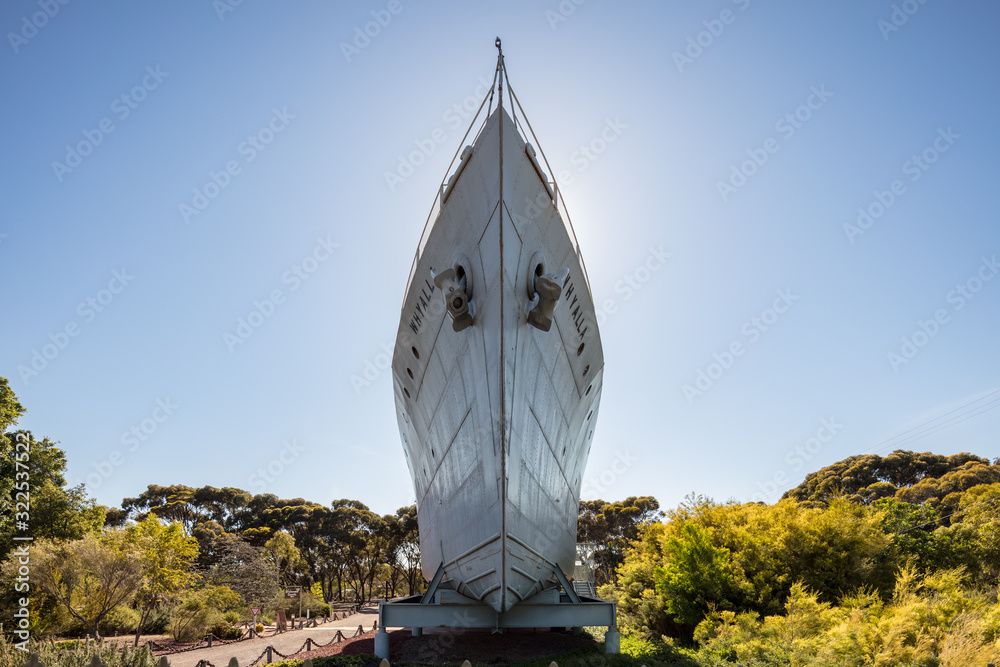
936 424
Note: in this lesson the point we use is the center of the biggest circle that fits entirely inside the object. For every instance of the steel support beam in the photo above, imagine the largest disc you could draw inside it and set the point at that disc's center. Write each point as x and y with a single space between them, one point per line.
546 610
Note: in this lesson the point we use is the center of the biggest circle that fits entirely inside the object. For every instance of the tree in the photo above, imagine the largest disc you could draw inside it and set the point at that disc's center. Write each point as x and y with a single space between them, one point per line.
166 555
611 528
56 512
980 514
245 569
406 547
87 577
945 492
745 558
697 576
866 478
10 408
281 550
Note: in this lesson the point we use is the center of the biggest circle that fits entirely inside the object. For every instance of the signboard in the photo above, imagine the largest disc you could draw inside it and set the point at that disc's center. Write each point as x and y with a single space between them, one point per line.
292 593
255 611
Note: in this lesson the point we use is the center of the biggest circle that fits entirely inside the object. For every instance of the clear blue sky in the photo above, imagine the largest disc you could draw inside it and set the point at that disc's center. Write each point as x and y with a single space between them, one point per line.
738 137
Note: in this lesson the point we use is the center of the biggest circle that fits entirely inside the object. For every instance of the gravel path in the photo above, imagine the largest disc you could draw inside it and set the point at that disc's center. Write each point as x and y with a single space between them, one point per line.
288 642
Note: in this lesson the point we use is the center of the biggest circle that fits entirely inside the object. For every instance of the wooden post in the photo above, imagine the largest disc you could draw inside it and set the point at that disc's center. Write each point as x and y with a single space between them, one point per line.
269 655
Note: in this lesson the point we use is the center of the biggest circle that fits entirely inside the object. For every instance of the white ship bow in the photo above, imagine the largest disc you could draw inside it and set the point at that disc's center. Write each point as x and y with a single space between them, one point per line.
496 413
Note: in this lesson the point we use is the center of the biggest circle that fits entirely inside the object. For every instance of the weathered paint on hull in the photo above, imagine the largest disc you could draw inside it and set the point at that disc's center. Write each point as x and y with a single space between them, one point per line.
497 419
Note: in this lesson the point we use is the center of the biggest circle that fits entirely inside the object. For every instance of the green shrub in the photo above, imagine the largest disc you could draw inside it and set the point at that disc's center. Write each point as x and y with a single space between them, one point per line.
224 630
77 653
119 621
333 661
158 621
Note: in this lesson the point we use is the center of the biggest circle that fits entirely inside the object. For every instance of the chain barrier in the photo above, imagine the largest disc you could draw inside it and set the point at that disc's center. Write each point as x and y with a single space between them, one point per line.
252 632
262 654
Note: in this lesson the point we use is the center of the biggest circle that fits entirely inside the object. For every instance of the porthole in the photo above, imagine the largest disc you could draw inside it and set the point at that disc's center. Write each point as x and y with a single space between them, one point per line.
579 350
415 353
406 391
410 373
587 369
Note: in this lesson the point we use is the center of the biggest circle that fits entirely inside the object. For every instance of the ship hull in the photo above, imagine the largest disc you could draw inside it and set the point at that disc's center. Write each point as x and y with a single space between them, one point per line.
497 418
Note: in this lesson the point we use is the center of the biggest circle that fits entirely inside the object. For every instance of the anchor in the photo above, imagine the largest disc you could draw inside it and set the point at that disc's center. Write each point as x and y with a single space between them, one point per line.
548 288
456 287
